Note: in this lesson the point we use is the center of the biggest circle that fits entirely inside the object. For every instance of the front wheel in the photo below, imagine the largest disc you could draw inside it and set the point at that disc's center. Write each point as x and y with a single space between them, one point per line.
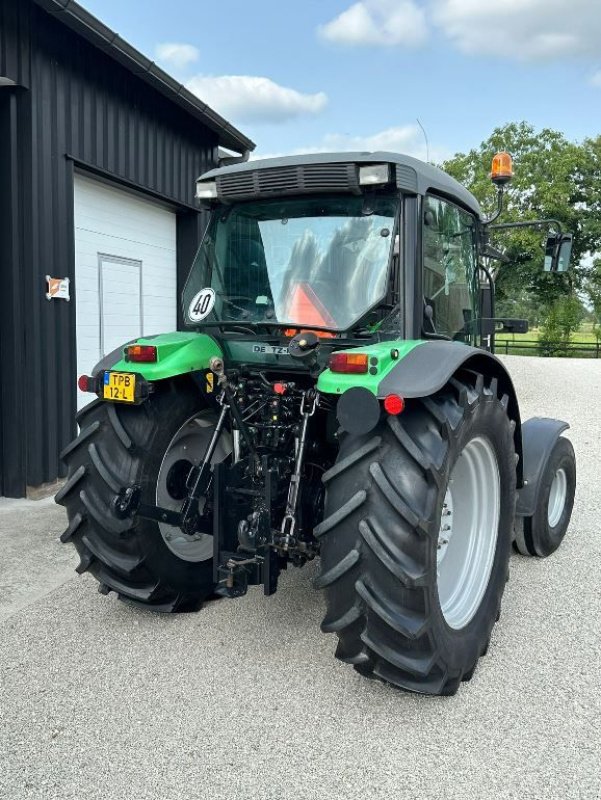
153 445
542 533
416 538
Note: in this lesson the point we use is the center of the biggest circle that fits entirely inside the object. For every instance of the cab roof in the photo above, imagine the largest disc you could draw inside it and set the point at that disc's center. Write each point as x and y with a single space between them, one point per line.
412 174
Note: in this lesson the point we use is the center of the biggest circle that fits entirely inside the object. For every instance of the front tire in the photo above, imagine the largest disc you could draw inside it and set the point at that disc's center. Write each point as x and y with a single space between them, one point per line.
398 612
542 533
143 562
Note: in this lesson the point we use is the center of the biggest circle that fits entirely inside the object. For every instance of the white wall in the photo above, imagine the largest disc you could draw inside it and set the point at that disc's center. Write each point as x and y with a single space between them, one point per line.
111 222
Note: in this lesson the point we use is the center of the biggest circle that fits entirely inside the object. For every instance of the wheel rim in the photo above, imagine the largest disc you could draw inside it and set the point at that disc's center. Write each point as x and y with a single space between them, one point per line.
187 448
557 497
469 530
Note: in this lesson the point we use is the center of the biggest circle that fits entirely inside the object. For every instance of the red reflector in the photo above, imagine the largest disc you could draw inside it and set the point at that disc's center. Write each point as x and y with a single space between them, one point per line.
141 353
353 363
85 383
393 404
279 388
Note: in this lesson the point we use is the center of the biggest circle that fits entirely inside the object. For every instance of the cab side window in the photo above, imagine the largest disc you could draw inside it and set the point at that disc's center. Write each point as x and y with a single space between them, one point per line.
449 269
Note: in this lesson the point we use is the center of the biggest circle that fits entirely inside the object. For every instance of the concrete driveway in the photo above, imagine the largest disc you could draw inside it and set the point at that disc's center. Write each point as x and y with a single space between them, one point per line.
244 700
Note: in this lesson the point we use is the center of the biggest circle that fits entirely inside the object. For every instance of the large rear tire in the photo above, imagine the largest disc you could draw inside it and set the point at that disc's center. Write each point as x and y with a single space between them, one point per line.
143 562
416 538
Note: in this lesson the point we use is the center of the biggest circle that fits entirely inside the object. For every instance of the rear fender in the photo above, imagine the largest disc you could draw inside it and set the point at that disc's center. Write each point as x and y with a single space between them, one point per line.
178 353
539 436
423 370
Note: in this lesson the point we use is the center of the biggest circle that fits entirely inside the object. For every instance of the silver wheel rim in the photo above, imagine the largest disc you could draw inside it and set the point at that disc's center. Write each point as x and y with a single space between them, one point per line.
557 497
469 530
188 445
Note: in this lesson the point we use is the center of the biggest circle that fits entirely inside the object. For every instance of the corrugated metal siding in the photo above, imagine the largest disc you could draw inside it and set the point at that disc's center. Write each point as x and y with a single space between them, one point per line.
12 344
14 41
84 105
102 116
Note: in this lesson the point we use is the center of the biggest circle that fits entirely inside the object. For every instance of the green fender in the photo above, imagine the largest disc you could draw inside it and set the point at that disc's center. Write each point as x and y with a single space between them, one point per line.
419 369
178 353
383 357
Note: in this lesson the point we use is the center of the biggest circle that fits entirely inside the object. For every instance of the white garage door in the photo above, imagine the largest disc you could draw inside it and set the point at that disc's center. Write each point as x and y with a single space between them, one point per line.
125 270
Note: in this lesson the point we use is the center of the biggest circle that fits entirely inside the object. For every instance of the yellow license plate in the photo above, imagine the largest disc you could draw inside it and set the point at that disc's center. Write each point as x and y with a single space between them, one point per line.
119 386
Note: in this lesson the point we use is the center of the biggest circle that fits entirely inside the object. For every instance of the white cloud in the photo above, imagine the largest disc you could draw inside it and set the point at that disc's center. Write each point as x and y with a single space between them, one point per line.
515 29
596 79
176 55
406 139
378 22
247 98
521 29
402 138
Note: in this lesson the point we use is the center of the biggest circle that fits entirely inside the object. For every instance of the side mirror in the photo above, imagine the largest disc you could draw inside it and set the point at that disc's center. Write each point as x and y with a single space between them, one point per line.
558 252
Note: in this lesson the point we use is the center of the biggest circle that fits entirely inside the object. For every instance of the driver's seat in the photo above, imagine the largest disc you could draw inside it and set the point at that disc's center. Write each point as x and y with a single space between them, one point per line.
246 272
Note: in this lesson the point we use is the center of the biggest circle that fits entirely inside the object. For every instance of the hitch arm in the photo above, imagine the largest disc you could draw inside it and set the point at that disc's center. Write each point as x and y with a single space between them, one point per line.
198 480
308 406
128 504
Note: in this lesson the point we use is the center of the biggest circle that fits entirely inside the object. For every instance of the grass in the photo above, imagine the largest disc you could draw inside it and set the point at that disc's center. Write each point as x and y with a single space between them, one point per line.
584 336
509 343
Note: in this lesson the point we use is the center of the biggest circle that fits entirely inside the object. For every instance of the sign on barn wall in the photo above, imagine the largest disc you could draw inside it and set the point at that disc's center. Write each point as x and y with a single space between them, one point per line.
58 288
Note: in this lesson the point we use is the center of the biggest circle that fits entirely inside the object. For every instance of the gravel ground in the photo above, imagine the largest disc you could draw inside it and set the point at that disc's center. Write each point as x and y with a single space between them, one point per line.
244 700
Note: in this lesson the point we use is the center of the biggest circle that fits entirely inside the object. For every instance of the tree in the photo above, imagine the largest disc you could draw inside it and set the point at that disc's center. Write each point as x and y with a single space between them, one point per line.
590 200
563 319
593 292
554 178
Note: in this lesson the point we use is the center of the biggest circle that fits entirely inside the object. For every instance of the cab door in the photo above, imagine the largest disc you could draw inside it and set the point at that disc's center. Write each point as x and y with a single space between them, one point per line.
449 275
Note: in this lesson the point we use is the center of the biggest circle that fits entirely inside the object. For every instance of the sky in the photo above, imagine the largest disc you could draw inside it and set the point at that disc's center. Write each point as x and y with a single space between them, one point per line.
323 75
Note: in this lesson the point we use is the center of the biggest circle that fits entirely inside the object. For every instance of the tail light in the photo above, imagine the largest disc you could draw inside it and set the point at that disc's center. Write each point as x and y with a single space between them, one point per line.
141 353
350 363
85 383
394 404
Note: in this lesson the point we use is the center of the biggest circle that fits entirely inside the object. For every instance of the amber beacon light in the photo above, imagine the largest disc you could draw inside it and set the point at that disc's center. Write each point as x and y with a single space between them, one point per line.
502 168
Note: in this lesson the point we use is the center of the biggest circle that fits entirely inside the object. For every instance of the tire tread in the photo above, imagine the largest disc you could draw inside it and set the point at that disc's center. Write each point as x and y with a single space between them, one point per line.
376 536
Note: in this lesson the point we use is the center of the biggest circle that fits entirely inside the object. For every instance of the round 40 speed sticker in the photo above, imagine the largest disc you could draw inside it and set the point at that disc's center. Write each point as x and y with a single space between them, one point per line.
201 305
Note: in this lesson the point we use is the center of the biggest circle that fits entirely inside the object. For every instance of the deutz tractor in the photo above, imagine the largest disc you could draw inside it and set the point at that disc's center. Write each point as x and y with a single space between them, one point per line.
335 396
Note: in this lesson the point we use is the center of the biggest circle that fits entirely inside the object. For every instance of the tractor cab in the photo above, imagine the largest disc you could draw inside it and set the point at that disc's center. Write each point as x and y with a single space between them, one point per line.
353 245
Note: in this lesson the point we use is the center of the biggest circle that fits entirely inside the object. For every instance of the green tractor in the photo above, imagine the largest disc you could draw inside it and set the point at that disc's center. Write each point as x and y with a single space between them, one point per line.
335 395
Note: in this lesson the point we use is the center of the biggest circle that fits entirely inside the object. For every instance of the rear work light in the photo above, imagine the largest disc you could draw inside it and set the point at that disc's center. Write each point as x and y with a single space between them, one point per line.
349 363
374 174
206 190
141 353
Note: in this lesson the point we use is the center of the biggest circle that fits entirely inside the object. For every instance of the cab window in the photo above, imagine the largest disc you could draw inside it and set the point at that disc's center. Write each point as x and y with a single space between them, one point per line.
449 269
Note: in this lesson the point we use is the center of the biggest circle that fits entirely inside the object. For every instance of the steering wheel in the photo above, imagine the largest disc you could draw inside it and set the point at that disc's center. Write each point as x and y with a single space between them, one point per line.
231 301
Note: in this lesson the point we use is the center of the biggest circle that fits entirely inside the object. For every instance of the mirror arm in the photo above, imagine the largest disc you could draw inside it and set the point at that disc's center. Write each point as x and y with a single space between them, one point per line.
535 223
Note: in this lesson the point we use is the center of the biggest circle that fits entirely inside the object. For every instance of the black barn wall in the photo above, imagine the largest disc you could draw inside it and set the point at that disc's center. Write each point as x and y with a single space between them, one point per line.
15 142
81 110
12 337
14 41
